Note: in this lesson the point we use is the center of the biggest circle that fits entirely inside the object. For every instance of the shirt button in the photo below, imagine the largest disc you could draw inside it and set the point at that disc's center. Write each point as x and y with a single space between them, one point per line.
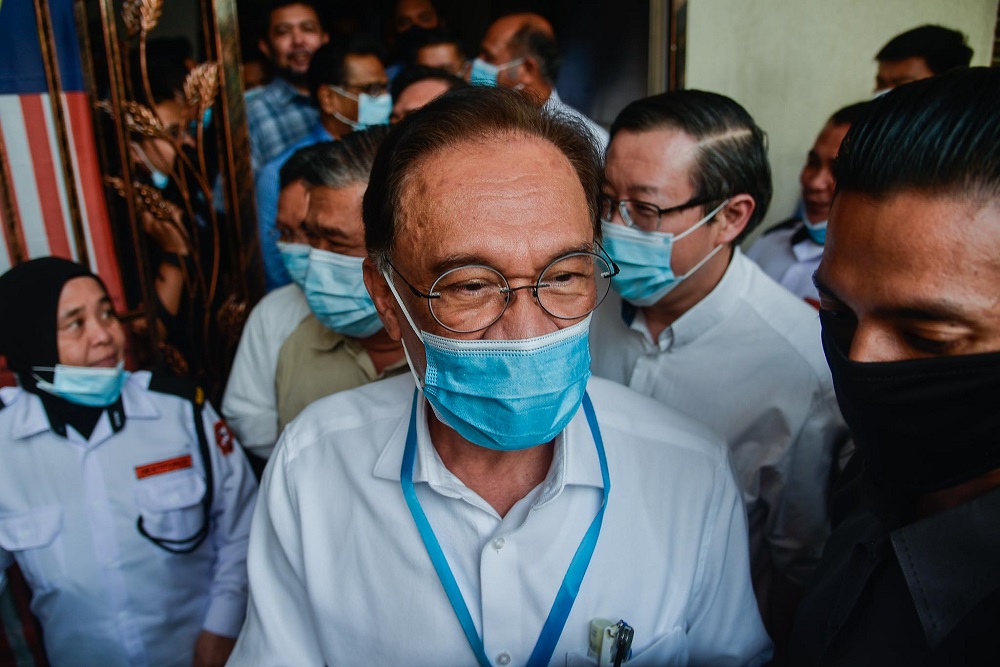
498 545
503 658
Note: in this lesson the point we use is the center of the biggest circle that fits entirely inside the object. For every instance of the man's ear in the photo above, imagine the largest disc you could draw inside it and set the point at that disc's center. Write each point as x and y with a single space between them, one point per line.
531 71
327 99
733 218
264 47
385 302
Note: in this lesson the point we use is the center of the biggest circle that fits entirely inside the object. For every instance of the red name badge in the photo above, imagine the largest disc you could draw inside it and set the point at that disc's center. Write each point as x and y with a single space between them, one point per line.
160 467
224 437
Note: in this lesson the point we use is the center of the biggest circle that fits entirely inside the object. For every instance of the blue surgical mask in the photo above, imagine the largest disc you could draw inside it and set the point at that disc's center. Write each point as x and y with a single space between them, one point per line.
335 290
159 179
372 109
644 257
296 259
84 385
505 395
816 230
485 74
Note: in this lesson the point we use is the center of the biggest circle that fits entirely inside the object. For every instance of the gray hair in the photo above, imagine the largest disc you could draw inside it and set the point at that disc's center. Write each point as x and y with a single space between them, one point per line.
347 161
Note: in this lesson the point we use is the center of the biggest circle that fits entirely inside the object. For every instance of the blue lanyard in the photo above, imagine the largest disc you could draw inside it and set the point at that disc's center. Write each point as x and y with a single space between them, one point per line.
563 604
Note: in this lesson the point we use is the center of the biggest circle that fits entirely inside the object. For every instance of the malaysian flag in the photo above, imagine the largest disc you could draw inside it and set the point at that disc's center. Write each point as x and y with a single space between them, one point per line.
47 207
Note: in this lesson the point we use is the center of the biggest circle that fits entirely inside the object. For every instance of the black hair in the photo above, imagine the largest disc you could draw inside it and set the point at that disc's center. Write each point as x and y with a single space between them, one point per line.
937 135
477 114
329 64
541 45
849 115
732 149
941 48
416 73
339 164
439 35
302 164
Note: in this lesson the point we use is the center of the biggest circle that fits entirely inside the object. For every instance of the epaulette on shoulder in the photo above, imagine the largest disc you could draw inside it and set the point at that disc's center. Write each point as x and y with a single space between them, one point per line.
165 383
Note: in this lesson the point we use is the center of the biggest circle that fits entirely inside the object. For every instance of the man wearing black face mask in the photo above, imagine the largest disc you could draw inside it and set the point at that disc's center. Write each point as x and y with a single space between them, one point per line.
911 329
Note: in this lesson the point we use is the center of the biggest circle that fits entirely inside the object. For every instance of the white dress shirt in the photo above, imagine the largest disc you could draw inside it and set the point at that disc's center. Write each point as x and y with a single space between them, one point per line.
69 507
339 574
555 105
747 362
790 256
249 403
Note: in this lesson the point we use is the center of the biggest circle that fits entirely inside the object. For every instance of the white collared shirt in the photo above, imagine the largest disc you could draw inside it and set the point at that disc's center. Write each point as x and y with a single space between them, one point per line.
339 574
69 506
791 258
747 362
250 404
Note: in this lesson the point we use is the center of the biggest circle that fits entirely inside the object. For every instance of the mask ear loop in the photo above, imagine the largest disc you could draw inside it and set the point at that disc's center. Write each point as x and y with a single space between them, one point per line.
413 327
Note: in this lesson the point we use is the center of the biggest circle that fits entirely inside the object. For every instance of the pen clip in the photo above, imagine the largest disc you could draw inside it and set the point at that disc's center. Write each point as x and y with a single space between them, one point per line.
623 643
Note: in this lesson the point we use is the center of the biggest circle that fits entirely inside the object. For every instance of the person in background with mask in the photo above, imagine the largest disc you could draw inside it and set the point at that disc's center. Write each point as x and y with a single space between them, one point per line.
348 82
911 330
124 499
248 403
416 86
341 343
918 54
791 250
481 516
519 51
412 20
282 112
703 330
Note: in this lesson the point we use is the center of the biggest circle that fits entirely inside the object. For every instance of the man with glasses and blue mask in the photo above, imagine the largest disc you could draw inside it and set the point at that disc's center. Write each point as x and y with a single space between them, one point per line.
349 84
699 327
341 343
519 51
249 403
499 507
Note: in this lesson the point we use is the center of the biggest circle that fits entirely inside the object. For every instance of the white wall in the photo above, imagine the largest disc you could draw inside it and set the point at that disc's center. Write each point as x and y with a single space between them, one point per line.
792 63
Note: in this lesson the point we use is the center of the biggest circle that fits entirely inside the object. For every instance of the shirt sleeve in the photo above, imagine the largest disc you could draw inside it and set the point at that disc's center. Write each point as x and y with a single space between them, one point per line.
799 524
268 189
279 628
724 626
234 490
249 401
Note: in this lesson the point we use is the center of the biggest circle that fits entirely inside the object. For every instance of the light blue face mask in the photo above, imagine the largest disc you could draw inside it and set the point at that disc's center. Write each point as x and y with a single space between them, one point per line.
485 74
85 385
159 179
505 394
295 256
644 257
335 290
372 110
816 230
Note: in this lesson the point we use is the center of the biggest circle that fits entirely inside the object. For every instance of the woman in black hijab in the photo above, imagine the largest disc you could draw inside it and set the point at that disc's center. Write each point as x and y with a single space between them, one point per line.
34 328
132 537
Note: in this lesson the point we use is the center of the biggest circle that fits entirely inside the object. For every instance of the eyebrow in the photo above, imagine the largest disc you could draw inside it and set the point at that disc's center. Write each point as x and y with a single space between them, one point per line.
464 259
74 312
932 311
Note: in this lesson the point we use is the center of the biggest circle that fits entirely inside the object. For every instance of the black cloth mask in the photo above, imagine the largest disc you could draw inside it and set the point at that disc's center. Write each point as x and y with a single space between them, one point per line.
923 425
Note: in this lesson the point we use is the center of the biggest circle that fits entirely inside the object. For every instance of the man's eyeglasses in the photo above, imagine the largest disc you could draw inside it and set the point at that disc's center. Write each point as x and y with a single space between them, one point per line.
373 89
642 215
471 298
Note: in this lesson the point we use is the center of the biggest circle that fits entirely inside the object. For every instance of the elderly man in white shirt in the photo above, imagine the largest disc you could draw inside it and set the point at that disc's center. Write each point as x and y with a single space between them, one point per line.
702 329
481 517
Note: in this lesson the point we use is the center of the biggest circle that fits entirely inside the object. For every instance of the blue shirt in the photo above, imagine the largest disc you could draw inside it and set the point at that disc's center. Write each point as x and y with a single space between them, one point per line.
277 117
268 185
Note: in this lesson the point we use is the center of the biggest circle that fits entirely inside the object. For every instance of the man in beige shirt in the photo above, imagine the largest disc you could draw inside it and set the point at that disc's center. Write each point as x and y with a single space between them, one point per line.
341 344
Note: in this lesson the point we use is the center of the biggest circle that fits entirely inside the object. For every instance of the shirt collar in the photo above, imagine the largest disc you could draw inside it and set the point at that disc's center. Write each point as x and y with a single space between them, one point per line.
574 460
949 562
285 93
803 246
707 313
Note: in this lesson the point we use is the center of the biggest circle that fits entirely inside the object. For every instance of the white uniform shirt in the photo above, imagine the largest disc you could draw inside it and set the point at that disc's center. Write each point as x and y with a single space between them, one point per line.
747 361
249 403
339 574
790 257
555 105
106 595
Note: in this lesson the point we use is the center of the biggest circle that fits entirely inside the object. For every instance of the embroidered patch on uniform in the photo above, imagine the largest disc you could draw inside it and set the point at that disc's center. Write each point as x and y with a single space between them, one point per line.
160 467
223 437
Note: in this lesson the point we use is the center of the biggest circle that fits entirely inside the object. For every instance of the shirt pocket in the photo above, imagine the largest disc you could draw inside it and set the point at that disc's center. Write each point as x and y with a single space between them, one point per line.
170 505
670 649
33 538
